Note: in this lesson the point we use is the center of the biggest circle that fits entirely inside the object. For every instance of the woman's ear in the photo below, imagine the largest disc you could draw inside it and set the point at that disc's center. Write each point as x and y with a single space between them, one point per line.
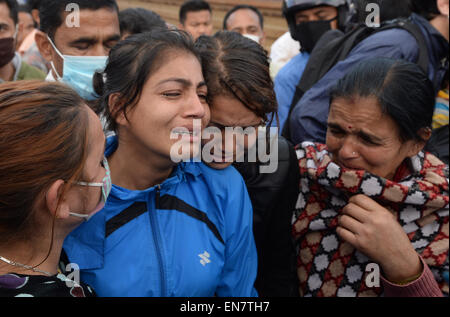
425 135
115 108
55 203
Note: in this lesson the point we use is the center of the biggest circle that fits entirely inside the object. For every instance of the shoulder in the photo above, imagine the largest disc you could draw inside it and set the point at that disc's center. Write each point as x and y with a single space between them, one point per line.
30 72
294 67
396 38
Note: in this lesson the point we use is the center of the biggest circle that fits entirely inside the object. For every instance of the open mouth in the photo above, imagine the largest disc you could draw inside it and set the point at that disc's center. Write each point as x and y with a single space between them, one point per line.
185 134
223 158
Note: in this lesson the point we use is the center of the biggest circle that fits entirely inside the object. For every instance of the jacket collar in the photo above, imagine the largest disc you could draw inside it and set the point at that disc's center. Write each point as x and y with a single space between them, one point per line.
179 174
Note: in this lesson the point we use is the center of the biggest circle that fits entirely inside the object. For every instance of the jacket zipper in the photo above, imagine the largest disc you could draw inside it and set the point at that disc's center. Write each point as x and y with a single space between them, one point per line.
156 239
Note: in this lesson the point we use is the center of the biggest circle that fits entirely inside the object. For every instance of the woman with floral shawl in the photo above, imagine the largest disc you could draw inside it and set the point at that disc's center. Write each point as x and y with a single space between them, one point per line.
372 215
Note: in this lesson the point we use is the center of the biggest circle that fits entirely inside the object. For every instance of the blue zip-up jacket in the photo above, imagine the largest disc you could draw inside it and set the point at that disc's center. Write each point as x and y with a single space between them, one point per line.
309 117
191 236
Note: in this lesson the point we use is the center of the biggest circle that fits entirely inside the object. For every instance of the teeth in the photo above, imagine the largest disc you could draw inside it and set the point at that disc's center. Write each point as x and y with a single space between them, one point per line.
182 132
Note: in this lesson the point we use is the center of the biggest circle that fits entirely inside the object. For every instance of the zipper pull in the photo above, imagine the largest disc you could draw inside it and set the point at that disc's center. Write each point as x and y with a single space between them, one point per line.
158 189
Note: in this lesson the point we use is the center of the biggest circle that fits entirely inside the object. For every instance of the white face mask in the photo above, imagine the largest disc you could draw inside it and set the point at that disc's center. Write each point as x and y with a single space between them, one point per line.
252 37
78 72
105 185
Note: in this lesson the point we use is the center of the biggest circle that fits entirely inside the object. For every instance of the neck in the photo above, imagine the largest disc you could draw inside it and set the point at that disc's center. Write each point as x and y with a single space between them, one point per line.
26 253
136 168
441 24
7 72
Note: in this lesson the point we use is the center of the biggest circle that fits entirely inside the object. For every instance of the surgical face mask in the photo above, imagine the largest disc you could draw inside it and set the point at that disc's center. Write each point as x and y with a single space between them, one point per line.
78 72
106 189
309 33
255 38
7 49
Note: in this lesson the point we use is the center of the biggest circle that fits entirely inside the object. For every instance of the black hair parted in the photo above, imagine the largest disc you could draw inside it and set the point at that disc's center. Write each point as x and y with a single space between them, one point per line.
401 88
131 62
235 65
139 20
192 6
51 11
241 7
13 9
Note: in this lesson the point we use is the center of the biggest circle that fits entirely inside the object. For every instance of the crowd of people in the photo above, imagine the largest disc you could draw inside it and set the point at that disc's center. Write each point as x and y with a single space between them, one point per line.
162 160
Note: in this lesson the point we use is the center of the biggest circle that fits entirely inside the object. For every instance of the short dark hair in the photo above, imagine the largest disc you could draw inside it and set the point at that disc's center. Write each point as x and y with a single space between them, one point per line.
13 9
139 20
24 8
34 4
192 6
241 7
233 64
401 88
131 62
426 8
51 11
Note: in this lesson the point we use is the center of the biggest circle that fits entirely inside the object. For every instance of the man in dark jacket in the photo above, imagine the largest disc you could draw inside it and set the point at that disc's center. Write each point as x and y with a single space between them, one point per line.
308 121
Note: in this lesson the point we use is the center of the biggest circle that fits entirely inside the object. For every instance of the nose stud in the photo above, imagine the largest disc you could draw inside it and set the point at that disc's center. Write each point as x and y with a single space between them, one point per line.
353 153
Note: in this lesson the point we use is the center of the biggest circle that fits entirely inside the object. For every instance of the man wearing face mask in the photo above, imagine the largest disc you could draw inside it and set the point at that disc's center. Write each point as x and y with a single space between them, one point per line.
246 20
75 37
12 68
308 119
308 20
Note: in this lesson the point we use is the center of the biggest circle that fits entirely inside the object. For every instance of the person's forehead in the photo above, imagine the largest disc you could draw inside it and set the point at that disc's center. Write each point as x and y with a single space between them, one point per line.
315 10
103 22
229 111
182 67
5 15
243 17
202 15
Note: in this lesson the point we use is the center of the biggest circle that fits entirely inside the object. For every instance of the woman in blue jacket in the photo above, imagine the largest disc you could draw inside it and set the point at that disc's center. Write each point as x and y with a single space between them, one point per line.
168 229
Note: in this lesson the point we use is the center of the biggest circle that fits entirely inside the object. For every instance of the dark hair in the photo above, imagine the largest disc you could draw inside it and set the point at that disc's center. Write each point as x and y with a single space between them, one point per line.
13 10
24 8
426 8
34 4
139 20
241 7
192 6
239 66
51 11
401 88
43 138
131 62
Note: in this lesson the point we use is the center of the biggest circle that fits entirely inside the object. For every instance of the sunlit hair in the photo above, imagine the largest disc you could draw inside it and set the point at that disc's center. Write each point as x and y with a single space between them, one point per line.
43 138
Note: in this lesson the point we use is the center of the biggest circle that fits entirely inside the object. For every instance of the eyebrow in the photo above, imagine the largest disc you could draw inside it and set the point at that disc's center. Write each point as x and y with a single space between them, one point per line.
184 82
360 133
92 40
320 11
